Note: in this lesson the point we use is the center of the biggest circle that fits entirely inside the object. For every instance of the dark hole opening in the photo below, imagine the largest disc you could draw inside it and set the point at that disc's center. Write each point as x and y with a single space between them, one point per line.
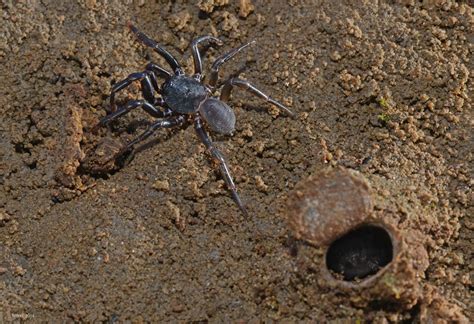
360 253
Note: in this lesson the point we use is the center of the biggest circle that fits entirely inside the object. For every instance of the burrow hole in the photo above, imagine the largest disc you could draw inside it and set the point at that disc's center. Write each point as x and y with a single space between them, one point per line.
360 253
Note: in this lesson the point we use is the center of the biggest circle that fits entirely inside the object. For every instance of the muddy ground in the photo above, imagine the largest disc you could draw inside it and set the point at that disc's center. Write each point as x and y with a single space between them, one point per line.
381 87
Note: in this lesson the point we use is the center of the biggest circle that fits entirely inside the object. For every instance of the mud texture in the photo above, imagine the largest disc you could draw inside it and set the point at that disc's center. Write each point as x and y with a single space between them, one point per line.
380 87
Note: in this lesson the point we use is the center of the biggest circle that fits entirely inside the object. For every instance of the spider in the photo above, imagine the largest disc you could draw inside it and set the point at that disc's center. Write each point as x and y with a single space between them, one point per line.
185 99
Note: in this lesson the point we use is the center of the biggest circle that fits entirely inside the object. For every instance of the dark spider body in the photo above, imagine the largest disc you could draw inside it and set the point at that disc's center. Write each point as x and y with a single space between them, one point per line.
184 94
184 98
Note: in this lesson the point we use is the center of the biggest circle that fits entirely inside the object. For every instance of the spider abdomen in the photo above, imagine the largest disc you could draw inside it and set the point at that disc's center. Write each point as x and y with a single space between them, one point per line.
218 115
183 94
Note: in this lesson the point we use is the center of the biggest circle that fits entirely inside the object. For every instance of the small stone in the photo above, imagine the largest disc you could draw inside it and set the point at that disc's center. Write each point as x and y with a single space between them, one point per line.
177 306
179 20
209 5
161 185
335 56
261 186
179 220
19 271
246 8
4 217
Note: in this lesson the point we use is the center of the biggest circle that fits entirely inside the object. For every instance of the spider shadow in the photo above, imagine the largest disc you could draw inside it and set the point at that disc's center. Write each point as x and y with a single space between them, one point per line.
124 158
245 106
243 67
256 108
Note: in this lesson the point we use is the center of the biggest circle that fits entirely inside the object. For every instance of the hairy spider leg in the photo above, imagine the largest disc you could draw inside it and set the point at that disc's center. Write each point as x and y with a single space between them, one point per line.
197 55
221 60
158 49
246 85
216 154
169 122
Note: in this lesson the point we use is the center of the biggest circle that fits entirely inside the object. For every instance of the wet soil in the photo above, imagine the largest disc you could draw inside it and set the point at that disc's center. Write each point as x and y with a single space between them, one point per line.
381 87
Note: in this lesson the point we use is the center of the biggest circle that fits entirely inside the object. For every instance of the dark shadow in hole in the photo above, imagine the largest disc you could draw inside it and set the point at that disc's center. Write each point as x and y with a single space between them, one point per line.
203 15
32 165
21 148
360 253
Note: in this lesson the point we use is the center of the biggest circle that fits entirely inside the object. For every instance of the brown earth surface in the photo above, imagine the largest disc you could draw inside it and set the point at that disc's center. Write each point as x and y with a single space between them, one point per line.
380 87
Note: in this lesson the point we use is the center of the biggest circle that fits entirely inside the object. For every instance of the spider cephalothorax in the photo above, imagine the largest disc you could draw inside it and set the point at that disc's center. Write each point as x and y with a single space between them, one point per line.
183 98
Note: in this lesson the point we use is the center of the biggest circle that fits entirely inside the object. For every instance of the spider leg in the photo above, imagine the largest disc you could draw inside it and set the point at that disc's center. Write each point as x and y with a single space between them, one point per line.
157 48
147 79
162 123
221 60
246 85
222 163
197 55
147 87
157 71
132 104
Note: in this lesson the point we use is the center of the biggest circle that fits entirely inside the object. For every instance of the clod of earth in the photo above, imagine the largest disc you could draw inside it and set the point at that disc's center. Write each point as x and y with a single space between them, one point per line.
327 205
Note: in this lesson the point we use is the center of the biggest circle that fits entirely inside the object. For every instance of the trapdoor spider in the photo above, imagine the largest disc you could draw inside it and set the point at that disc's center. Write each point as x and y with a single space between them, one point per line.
184 99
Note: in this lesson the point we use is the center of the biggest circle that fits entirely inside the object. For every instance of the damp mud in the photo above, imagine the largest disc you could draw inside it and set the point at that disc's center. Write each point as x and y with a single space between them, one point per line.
379 88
